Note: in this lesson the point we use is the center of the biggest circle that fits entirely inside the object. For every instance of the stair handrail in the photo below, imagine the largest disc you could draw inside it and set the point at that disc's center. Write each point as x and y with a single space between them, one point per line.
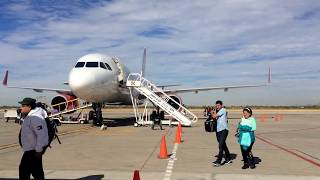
136 80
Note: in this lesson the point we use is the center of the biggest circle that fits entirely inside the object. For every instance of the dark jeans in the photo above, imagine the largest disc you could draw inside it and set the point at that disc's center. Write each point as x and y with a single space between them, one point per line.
30 164
221 138
246 154
158 122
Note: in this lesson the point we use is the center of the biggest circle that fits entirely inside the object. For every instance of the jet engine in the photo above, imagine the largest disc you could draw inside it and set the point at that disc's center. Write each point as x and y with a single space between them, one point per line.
64 101
176 98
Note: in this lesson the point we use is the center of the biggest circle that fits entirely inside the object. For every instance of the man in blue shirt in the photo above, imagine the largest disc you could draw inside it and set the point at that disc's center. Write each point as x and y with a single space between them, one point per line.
220 115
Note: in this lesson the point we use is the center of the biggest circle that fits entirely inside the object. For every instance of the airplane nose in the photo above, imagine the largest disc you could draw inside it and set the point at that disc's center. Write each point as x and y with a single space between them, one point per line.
80 81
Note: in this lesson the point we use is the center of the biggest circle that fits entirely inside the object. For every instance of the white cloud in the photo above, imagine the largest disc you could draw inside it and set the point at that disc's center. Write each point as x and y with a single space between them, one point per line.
202 42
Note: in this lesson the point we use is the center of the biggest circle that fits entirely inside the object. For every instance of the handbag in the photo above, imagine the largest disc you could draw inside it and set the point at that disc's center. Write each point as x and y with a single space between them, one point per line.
210 126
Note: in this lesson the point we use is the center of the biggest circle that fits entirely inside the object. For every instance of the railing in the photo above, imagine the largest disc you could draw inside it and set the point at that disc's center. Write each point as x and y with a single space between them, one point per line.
157 96
71 104
68 107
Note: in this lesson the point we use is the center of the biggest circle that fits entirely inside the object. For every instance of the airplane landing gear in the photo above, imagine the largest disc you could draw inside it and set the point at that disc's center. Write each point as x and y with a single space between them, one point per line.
96 114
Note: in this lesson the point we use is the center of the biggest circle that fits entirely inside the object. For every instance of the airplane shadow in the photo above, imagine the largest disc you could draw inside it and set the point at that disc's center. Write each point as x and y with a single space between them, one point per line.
90 177
115 122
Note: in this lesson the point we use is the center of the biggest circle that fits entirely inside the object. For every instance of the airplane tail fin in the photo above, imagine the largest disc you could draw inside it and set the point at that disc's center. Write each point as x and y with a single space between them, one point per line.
143 69
5 79
269 76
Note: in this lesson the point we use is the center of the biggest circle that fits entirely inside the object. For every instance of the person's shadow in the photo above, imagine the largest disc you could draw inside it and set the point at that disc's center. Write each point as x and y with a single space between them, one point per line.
257 160
232 156
90 177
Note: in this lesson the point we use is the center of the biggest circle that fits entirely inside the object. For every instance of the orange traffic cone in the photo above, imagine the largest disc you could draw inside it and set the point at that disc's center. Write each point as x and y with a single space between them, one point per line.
163 148
178 134
263 118
280 117
136 175
180 127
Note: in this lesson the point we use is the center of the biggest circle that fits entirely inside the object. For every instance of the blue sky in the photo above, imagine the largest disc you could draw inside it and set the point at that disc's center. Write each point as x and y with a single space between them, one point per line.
193 43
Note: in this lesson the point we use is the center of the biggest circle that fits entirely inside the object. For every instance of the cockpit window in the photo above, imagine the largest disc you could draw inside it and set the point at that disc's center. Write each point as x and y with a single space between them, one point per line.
102 65
80 64
92 64
108 66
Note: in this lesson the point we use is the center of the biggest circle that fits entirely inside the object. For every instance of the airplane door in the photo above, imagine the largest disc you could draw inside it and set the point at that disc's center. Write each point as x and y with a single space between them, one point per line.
121 72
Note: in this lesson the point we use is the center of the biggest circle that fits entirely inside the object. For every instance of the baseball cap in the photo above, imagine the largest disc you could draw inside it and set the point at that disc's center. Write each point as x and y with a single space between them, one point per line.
28 101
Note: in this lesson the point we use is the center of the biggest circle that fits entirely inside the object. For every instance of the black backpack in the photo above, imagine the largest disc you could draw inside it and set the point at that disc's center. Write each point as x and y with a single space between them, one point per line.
52 129
52 133
210 125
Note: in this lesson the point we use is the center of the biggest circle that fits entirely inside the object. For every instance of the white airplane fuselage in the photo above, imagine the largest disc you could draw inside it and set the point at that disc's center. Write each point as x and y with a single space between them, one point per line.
100 78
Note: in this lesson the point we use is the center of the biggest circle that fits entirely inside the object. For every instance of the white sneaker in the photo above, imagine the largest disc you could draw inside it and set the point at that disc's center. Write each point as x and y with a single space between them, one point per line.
216 163
227 161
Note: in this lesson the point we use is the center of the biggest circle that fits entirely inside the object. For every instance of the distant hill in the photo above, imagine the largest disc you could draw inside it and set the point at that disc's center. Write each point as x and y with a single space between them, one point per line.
8 107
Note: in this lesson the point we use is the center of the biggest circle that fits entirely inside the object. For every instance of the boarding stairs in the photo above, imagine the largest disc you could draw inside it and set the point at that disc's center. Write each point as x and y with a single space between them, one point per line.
159 98
69 107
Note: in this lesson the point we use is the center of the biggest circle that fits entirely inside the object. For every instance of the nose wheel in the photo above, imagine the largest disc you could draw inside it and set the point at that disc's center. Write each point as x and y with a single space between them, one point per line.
96 114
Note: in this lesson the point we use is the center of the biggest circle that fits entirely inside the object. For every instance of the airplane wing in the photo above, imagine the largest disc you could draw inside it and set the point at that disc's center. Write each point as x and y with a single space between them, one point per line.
196 90
169 85
225 88
36 89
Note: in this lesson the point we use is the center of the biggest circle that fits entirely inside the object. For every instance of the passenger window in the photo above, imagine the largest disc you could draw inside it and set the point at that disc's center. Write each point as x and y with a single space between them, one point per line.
108 66
79 64
92 64
102 65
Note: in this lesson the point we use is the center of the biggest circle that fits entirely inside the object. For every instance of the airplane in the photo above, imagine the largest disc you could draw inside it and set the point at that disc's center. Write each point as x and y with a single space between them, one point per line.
101 79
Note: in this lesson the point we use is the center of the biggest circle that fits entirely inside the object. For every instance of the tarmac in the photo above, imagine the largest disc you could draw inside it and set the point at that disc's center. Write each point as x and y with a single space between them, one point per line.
287 147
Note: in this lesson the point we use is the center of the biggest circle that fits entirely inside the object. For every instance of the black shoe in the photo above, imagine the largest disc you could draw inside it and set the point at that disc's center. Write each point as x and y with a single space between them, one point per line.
252 166
245 166
216 163
251 162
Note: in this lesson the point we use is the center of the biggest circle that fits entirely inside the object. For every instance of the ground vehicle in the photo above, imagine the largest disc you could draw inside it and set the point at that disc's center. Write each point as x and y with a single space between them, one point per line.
11 114
80 119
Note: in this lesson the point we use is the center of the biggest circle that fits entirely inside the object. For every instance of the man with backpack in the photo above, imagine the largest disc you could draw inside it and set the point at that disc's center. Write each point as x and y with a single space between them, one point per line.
34 139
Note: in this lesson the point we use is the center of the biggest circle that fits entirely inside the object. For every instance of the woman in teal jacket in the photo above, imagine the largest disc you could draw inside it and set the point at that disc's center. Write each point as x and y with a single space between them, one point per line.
246 129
